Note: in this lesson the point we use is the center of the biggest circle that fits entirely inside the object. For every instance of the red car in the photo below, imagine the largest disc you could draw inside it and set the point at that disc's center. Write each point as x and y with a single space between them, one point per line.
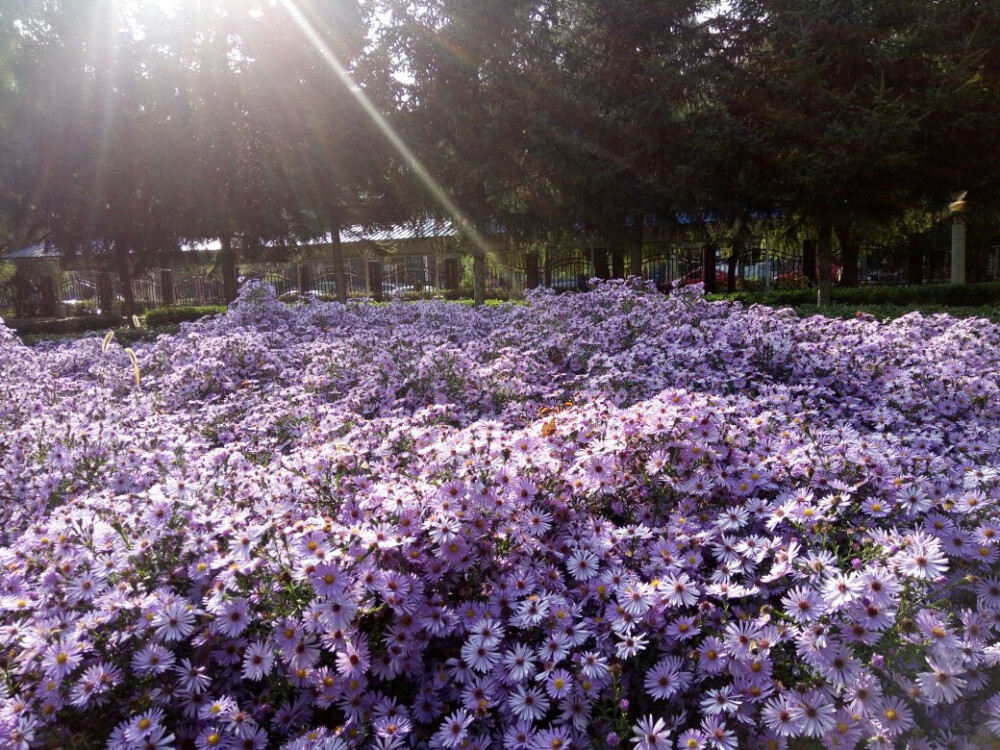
697 276
797 275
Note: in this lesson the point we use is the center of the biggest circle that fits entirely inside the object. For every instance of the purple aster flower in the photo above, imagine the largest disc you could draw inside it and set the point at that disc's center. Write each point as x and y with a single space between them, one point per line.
651 734
174 621
453 732
258 660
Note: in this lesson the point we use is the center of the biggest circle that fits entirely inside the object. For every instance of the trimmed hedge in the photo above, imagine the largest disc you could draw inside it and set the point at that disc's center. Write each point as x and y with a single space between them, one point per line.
125 335
67 326
949 295
463 294
881 301
889 312
155 318
162 316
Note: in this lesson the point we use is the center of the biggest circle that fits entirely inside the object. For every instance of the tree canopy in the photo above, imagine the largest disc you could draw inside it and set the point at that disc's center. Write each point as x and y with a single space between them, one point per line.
131 127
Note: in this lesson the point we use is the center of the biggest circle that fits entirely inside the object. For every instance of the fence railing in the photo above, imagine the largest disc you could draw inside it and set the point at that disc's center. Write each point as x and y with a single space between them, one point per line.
560 268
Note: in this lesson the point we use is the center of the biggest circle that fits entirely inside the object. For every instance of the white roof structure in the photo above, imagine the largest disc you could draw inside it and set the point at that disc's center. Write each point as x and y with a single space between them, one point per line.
41 251
419 229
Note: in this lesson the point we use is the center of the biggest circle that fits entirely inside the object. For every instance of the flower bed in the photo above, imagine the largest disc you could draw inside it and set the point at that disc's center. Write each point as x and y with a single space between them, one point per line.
598 519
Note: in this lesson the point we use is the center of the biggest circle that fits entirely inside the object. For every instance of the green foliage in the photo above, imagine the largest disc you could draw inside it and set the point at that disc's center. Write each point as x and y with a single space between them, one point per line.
946 295
124 336
890 312
68 326
462 294
161 316
549 119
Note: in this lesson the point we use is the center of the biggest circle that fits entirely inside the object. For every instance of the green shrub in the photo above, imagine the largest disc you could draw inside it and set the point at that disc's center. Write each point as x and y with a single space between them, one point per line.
890 312
161 316
452 295
948 295
130 336
67 326
124 335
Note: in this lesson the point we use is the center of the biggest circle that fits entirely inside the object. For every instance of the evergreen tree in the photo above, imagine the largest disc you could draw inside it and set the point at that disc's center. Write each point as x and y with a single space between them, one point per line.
87 134
628 83
312 70
840 96
469 65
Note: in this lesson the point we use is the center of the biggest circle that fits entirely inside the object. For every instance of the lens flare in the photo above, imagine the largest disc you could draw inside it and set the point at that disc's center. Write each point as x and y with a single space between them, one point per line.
463 223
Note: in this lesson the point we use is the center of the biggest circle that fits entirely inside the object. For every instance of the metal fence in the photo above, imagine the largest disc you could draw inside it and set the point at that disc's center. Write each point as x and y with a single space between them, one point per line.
197 289
561 268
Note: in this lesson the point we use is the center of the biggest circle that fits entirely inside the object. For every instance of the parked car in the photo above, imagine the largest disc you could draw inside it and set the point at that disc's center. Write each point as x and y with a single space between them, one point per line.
697 276
763 270
389 288
886 276
569 283
797 276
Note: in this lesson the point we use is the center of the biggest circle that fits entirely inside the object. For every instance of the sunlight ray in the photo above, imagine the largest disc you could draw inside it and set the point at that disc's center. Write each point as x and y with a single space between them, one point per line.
464 224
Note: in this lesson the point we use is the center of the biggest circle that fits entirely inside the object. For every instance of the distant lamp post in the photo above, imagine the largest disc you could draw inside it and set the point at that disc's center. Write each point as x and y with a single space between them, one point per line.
956 208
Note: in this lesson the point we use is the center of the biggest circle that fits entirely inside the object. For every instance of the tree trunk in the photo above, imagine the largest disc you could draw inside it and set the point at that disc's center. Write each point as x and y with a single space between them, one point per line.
376 279
531 264
740 241
602 268
452 274
478 277
167 286
915 264
337 257
618 263
708 273
125 277
958 257
809 260
635 247
824 259
849 253
105 292
228 260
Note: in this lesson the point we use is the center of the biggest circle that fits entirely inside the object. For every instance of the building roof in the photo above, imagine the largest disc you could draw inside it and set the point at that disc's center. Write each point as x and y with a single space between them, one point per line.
423 228
40 251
